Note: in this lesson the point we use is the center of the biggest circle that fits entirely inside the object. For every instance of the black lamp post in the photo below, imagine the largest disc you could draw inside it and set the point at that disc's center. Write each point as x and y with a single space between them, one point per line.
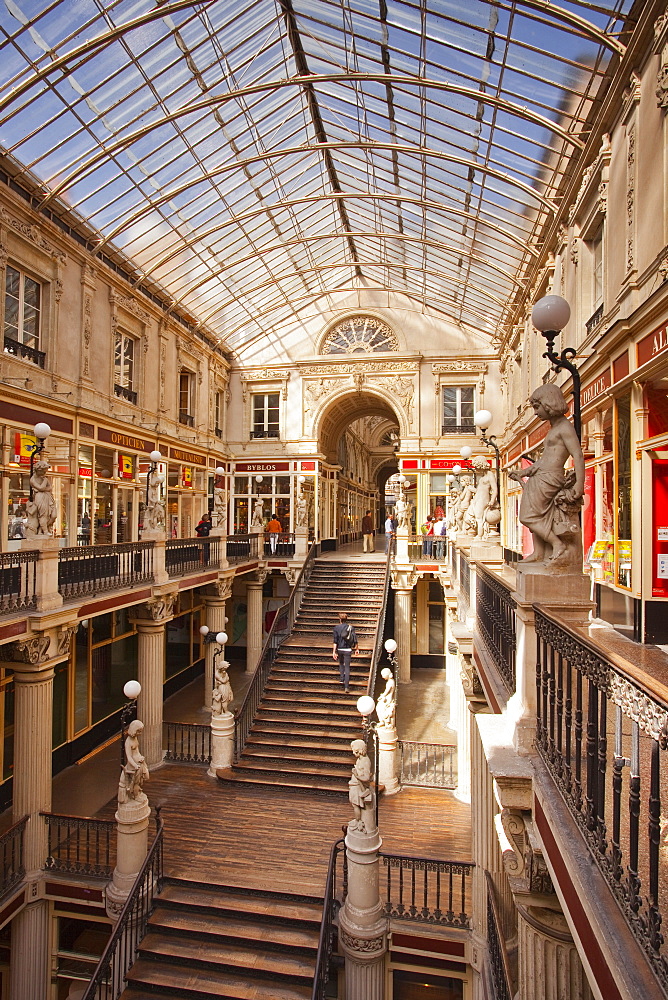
131 690
550 315
41 432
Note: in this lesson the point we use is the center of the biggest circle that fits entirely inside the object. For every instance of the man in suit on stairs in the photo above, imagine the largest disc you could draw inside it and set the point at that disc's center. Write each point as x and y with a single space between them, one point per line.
344 642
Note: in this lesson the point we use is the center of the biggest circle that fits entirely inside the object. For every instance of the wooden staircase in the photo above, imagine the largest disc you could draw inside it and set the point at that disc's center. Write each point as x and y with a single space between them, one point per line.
219 941
301 734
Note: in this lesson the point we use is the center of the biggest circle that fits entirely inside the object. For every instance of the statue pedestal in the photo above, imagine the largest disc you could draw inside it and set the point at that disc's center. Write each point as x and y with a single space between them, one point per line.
46 572
222 545
362 924
387 759
536 582
401 550
487 550
153 534
222 742
301 543
132 845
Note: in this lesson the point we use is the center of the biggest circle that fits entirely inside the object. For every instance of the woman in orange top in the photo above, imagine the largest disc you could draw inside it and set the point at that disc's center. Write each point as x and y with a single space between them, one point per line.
272 529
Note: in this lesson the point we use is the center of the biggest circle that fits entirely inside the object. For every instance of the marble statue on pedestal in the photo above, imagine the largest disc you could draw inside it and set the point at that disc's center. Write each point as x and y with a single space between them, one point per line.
484 499
154 516
302 510
134 772
552 497
360 792
220 507
386 705
462 503
222 689
258 514
41 510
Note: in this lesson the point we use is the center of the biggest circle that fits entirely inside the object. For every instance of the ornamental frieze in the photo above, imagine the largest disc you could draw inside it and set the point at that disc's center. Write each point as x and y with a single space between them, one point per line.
32 233
130 306
359 367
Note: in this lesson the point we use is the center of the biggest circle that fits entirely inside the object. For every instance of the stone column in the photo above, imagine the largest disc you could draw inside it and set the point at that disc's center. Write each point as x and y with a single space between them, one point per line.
222 742
549 966
214 612
150 620
403 581
387 759
29 974
363 925
254 629
132 818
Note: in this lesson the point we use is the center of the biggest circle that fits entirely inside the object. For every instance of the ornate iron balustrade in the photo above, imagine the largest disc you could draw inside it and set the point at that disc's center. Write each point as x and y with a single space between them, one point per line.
108 979
188 744
186 418
459 429
242 548
281 628
20 350
594 319
438 892
336 890
285 544
496 946
496 625
191 555
613 791
428 547
124 393
428 765
79 845
18 577
12 868
97 568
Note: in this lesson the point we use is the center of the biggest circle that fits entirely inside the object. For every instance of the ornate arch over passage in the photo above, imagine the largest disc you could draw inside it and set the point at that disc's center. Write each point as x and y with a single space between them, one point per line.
361 334
348 405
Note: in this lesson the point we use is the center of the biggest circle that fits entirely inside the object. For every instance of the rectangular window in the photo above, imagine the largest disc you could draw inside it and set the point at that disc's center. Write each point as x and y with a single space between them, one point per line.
597 268
265 415
124 359
218 407
458 409
186 398
23 302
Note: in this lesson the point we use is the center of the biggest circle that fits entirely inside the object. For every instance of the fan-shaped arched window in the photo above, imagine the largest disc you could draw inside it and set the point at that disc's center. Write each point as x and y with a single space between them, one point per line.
360 335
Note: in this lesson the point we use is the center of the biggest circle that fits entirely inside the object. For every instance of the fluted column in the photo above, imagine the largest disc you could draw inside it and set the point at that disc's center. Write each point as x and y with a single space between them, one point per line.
549 967
254 622
150 620
29 974
403 599
214 611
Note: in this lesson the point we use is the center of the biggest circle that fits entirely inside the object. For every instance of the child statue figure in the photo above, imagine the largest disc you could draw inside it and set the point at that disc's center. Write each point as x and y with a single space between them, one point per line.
552 498
360 792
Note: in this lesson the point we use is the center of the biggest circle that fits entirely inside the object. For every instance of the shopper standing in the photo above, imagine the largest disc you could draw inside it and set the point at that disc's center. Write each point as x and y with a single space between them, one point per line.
389 533
367 533
344 644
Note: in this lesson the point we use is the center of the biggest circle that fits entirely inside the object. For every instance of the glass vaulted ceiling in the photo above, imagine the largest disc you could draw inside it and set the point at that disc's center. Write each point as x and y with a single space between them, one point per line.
254 157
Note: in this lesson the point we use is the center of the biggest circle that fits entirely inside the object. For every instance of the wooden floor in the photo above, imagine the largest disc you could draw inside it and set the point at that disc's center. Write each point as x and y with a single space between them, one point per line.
261 838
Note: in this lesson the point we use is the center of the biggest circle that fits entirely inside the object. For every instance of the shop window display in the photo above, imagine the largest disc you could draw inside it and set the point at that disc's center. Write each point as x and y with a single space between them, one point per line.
623 467
274 491
22 444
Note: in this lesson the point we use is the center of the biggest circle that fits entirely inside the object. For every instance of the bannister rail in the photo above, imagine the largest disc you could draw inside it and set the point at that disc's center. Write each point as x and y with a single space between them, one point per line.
108 979
85 570
421 547
496 946
18 578
427 765
242 548
438 892
380 631
283 544
79 845
190 555
332 902
602 732
187 743
280 629
12 868
495 610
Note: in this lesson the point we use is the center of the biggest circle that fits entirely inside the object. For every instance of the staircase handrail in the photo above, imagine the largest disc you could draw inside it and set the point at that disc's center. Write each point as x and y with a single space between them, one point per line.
281 627
321 975
378 645
120 952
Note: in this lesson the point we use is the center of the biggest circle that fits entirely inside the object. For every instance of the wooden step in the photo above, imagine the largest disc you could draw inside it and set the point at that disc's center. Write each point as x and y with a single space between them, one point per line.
295 782
148 978
322 770
295 940
222 897
294 757
278 722
296 742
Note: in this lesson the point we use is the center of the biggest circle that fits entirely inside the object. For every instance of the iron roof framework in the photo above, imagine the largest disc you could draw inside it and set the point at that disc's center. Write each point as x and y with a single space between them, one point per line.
252 158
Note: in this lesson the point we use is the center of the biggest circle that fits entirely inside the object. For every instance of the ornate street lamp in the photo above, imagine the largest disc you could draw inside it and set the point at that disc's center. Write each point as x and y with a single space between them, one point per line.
391 649
550 315
41 432
482 420
131 690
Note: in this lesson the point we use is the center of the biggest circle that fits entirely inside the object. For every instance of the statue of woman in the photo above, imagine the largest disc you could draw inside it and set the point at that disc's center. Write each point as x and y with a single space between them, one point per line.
387 702
302 510
135 771
154 517
485 497
222 690
220 507
360 793
41 510
258 514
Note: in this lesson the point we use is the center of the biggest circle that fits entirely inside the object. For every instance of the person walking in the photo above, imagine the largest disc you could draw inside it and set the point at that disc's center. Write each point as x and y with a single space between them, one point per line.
273 529
389 533
367 533
344 644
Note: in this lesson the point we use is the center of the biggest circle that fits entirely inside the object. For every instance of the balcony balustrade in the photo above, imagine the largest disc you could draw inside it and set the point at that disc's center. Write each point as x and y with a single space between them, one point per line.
83 571
12 869
189 555
496 624
20 350
18 578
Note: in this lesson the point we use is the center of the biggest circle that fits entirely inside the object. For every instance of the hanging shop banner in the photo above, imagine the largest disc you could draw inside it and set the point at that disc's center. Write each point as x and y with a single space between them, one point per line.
186 476
24 446
125 467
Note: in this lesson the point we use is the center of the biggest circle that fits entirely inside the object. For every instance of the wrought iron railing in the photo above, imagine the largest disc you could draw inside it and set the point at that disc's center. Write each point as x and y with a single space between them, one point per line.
190 555
125 393
380 630
495 611
186 418
438 892
429 765
281 628
613 790
20 350
594 319
79 845
284 544
428 547
12 868
336 890
18 578
96 568
108 979
242 548
496 947
188 743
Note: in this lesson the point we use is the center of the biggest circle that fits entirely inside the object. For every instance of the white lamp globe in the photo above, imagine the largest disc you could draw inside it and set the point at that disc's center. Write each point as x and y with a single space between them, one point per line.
466 452
220 471
221 638
155 456
456 469
483 419
204 630
550 313
42 430
259 479
132 690
390 645
160 478
301 479
226 619
365 705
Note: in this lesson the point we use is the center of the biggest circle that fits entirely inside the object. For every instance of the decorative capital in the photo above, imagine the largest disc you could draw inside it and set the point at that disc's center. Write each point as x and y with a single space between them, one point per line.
33 650
367 947
65 637
157 609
